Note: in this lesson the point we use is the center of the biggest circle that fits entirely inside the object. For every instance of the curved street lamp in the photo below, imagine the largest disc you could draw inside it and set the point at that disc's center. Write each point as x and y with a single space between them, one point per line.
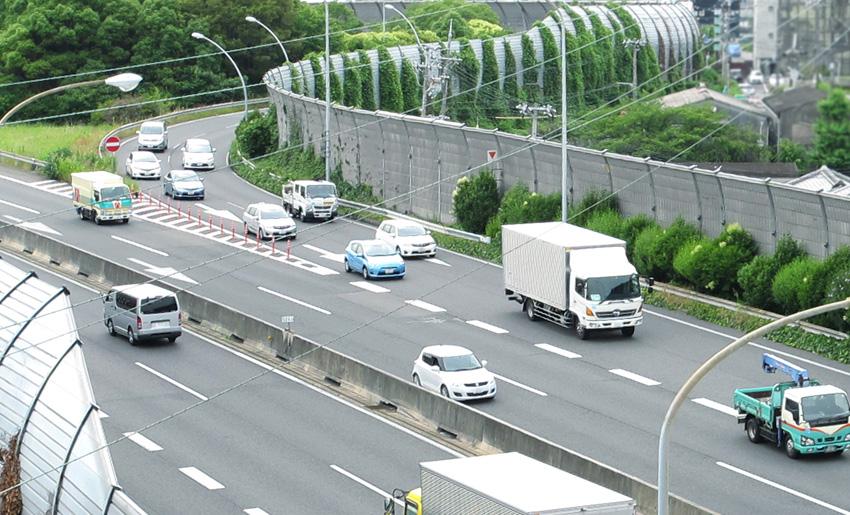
258 22
124 81
198 35
421 51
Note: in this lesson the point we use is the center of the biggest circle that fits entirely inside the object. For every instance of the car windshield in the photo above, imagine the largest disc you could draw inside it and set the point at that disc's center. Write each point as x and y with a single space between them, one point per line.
114 192
321 190
826 409
151 129
185 176
145 158
459 363
411 230
273 212
600 289
198 146
376 250
155 305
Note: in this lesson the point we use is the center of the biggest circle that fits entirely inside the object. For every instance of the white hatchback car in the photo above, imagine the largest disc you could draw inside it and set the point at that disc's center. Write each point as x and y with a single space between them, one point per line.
198 154
269 221
142 164
407 237
454 372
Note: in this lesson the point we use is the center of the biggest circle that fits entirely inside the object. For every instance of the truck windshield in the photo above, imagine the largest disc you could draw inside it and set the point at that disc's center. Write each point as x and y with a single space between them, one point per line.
827 409
321 190
114 192
600 289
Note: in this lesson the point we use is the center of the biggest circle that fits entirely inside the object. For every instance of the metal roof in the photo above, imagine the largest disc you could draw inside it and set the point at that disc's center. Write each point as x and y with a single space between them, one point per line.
46 399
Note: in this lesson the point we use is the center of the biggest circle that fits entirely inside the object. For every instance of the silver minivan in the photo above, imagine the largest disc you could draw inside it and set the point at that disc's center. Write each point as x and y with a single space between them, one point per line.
142 312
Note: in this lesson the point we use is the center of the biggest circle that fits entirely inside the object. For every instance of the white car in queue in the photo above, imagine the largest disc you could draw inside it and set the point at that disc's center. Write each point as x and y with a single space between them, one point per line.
409 238
268 221
143 164
453 372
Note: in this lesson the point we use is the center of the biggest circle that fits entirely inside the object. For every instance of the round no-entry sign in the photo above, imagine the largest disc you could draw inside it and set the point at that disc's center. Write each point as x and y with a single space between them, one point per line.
113 143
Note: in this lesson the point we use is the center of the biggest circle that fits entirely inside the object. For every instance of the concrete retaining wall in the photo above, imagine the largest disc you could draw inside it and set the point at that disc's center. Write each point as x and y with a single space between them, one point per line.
469 424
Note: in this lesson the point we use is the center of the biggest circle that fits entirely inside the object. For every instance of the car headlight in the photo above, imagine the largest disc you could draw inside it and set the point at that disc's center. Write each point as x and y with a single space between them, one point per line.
807 441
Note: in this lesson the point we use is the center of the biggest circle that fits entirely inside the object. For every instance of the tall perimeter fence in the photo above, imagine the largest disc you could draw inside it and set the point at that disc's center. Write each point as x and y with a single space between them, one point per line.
414 163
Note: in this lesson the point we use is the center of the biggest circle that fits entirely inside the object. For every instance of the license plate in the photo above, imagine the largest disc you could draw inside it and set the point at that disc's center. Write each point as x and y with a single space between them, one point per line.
159 325
389 271
830 448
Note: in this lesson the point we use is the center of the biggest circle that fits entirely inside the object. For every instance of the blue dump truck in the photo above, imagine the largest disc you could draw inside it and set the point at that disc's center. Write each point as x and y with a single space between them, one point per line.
802 416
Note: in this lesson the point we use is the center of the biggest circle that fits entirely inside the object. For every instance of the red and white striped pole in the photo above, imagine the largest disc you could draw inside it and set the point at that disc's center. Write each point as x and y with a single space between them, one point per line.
178 209
232 230
221 225
288 248
273 241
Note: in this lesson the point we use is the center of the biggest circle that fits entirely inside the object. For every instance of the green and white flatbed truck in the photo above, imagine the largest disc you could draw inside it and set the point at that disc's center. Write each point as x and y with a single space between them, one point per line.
802 416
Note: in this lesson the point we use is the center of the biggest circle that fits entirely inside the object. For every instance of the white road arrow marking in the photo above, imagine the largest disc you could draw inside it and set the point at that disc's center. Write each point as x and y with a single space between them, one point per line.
40 227
221 213
165 272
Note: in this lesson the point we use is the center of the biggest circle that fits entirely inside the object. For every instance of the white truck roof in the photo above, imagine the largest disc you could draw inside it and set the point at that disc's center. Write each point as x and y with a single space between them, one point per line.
567 235
808 391
98 176
525 484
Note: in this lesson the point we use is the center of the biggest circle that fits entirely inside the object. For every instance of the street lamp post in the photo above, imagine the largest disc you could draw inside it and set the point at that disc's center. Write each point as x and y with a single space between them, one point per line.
124 81
261 24
565 160
327 138
421 51
198 35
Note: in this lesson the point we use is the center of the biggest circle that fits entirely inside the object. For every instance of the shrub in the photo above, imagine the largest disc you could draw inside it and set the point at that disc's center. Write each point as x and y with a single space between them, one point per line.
712 266
756 280
632 227
607 222
599 200
476 201
793 284
257 135
644 255
788 250
829 270
520 206
837 288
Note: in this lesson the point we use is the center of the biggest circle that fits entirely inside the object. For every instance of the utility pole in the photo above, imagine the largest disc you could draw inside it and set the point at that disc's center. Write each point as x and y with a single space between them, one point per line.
534 111
448 61
636 45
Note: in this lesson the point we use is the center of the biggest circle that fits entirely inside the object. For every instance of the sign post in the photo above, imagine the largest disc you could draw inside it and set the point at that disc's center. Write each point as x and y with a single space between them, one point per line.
112 146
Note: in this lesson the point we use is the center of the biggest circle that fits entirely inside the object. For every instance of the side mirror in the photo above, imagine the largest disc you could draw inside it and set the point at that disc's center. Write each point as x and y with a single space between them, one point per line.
389 506
483 362
214 149
138 132
435 368
201 178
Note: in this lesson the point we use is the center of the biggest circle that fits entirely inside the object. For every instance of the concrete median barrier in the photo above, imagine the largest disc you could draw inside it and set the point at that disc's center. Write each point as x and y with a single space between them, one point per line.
467 423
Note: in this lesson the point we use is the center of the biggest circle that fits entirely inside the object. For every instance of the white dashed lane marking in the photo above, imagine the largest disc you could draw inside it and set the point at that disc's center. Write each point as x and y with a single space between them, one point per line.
635 377
424 305
203 479
557 350
143 442
488 327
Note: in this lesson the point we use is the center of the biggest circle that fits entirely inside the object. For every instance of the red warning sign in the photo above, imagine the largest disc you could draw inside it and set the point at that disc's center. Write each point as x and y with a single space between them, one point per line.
491 155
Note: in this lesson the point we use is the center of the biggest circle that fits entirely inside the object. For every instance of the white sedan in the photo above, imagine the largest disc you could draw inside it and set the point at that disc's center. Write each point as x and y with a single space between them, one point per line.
269 221
407 237
454 372
198 154
143 164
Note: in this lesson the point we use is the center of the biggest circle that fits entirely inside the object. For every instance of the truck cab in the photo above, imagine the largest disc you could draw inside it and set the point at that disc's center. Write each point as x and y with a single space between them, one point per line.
310 199
412 501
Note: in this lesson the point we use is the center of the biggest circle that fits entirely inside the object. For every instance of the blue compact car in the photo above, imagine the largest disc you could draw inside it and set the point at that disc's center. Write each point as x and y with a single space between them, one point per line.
373 258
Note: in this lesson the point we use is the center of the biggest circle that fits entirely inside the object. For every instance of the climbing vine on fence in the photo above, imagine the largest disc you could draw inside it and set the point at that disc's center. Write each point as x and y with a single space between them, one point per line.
389 85
367 84
410 89
352 88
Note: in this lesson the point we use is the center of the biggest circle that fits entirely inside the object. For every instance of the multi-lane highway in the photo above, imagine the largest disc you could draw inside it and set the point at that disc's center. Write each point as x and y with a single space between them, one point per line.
604 397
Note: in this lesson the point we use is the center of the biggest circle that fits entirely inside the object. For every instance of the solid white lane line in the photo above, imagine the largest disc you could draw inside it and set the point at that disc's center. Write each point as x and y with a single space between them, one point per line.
557 350
785 489
14 219
488 327
202 478
22 208
139 245
520 385
634 377
290 299
143 442
255 511
374 288
363 482
172 381
424 305
756 345
722 408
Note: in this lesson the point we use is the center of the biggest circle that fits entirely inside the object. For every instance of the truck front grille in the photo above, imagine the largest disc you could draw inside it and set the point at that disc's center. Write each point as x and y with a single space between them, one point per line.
616 313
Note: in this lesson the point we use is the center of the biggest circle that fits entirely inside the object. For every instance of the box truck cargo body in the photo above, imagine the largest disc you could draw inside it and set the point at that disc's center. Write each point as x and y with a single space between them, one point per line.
571 276
513 484
101 196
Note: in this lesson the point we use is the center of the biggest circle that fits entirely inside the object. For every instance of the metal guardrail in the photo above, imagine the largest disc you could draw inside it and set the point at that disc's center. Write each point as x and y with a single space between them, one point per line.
33 162
457 233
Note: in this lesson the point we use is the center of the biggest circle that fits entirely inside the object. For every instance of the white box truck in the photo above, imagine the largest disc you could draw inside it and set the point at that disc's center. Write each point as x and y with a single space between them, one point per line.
505 484
571 276
101 196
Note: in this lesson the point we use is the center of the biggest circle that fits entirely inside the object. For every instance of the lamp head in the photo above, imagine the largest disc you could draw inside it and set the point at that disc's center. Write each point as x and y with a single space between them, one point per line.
251 19
198 35
124 81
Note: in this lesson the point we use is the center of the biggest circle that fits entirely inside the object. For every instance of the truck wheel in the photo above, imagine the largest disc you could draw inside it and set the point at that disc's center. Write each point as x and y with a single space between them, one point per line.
581 332
126 221
82 213
628 331
300 214
97 219
790 450
753 433
528 307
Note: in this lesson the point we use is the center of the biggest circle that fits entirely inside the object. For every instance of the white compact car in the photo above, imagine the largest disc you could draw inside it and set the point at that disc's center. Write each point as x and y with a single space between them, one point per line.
153 136
269 221
454 372
198 154
143 164
407 237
